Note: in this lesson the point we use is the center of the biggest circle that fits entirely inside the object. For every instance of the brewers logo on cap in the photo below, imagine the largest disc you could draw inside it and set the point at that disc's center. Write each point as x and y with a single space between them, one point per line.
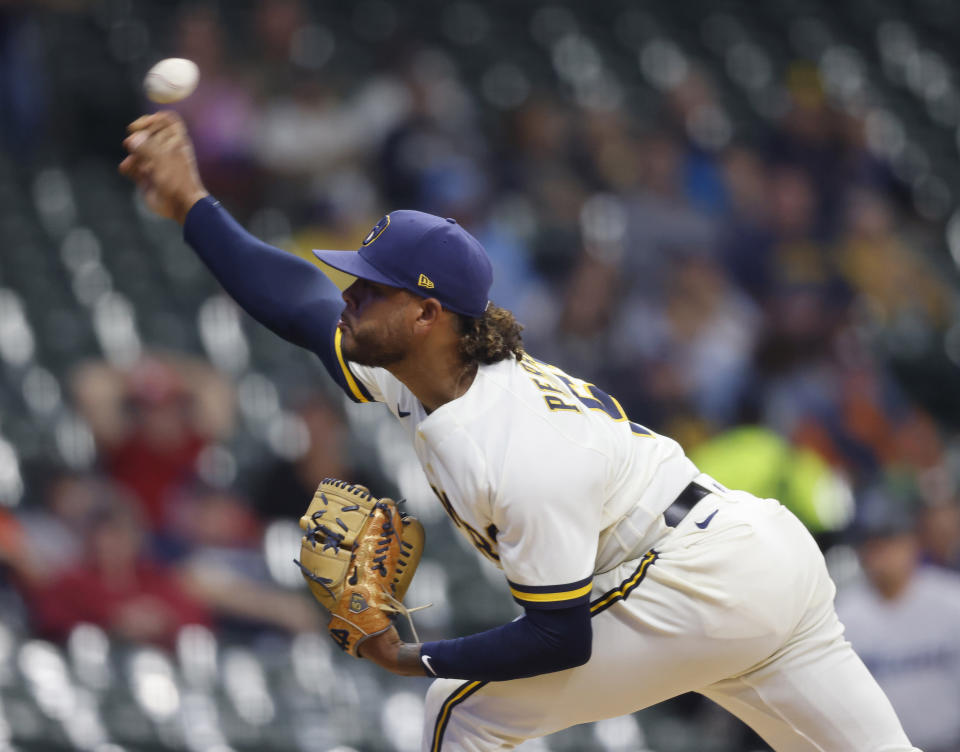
377 230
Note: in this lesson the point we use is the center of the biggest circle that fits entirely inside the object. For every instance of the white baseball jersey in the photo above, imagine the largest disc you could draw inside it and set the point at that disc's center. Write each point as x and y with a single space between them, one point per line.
541 471
532 465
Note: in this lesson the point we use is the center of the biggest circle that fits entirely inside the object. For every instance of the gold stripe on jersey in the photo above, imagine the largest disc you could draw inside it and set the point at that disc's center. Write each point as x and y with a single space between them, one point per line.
626 587
356 391
560 595
460 694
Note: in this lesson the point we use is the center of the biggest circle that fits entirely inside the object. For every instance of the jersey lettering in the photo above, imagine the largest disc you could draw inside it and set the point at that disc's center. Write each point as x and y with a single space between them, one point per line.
447 506
529 365
555 403
589 395
484 545
540 380
543 386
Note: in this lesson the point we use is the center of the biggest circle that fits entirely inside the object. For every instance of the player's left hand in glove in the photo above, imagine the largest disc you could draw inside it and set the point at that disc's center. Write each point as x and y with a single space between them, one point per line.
358 555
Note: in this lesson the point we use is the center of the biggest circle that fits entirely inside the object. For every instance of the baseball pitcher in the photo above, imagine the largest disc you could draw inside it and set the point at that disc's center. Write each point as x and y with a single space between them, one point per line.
640 577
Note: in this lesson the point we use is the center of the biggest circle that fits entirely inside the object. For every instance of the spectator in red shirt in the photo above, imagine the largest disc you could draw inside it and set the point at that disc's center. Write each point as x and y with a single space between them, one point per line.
116 587
152 422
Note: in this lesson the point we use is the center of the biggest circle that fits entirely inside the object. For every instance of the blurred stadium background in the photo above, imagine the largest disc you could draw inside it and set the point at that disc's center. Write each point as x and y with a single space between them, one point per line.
739 218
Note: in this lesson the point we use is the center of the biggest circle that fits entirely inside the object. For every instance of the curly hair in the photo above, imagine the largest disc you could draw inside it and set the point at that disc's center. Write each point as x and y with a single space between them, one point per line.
493 337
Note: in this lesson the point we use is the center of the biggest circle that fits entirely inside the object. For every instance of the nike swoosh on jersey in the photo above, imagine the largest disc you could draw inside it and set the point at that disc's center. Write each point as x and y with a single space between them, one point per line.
402 413
425 660
703 525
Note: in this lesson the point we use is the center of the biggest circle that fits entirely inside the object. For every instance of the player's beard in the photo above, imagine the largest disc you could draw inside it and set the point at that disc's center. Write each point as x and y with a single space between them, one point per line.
375 346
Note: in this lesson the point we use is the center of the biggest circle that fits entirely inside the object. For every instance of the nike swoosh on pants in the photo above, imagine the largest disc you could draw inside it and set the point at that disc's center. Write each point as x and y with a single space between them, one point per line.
703 525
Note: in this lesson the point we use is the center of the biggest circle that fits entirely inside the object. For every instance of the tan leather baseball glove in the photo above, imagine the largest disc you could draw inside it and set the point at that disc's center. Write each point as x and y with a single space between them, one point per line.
358 555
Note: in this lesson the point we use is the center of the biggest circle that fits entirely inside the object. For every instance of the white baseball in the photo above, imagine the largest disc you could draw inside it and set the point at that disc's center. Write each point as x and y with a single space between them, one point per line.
171 80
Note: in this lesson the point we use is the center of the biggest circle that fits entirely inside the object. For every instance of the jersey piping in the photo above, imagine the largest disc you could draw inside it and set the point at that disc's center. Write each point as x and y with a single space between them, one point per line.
357 391
460 694
626 587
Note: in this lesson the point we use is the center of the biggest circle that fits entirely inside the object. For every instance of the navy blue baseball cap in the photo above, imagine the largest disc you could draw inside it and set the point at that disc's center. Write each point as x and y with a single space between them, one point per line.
882 512
427 255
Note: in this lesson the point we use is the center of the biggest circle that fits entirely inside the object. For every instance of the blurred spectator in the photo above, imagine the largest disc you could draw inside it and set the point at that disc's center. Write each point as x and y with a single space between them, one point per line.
221 114
939 529
811 136
23 83
14 562
746 236
801 326
695 110
535 161
799 256
313 129
432 157
904 621
516 284
582 332
116 587
894 281
151 422
854 416
823 388
285 487
222 565
661 221
608 150
696 341
276 24
54 529
307 125
755 459
11 538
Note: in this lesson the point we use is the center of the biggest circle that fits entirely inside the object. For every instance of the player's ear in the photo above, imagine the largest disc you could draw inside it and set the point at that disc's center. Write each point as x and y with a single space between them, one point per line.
430 312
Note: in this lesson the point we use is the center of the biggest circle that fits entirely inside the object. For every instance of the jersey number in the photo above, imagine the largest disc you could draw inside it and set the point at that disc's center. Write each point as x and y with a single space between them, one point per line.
597 399
589 395
486 546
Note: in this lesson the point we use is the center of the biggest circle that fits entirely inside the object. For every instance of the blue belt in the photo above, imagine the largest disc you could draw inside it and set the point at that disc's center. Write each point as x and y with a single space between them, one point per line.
682 505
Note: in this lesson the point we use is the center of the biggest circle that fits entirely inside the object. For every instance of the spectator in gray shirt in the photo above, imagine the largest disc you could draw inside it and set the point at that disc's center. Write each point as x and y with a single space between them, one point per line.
904 621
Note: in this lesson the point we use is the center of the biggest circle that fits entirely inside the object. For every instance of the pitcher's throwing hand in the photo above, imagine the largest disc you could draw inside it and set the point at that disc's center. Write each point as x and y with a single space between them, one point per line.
163 165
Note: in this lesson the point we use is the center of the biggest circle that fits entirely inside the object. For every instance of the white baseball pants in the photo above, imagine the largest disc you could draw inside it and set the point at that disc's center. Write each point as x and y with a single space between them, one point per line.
740 611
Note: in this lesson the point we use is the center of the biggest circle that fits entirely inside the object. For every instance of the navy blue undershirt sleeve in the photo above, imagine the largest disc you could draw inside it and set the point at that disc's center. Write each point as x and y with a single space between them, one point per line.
287 294
540 642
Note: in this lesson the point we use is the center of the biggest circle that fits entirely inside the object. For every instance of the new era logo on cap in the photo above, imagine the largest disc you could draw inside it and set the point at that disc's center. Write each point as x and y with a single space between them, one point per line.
421 252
